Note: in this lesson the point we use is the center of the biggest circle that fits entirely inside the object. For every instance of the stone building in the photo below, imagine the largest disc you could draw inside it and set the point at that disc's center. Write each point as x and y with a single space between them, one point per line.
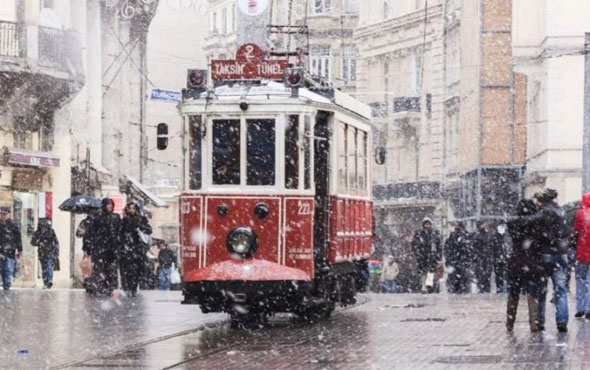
400 74
547 46
485 112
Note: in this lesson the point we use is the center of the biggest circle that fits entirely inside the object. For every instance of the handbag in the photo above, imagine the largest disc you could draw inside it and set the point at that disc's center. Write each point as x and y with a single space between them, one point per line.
429 280
174 275
146 239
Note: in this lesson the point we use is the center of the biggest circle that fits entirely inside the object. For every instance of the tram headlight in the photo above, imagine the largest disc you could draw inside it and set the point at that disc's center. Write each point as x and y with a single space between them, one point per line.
242 241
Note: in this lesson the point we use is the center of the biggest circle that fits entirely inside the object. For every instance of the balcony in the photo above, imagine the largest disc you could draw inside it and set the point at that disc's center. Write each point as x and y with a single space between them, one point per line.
40 67
407 111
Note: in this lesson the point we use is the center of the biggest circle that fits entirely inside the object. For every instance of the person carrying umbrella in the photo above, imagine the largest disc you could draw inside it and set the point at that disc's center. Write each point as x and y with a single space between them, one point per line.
133 249
45 239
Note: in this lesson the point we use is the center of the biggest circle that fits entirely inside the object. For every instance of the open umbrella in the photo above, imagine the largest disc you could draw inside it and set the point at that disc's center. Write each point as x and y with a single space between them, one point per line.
80 204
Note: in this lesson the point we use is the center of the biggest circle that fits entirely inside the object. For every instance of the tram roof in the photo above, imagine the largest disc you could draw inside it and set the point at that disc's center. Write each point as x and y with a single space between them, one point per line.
267 89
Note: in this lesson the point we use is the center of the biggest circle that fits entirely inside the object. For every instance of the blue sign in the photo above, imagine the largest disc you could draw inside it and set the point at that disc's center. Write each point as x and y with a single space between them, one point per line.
165 95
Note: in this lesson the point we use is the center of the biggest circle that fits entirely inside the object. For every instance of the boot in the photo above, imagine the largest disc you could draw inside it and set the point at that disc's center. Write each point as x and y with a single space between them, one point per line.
533 313
511 308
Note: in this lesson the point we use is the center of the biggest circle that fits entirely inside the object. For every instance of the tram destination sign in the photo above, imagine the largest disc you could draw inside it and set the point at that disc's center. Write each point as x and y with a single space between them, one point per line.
250 64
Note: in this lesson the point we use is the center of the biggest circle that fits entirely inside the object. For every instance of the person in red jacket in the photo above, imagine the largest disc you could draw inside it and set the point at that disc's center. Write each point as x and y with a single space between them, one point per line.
582 234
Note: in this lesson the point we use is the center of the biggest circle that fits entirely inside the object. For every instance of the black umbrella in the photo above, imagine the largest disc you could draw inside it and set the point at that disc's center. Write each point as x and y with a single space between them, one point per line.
80 204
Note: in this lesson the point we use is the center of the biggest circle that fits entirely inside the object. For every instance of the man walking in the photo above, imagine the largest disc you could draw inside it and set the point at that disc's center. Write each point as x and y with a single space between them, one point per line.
582 236
427 248
11 247
500 246
458 258
483 265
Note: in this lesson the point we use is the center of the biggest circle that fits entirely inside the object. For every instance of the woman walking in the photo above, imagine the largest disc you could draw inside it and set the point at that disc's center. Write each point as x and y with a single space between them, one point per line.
45 239
525 266
582 236
133 248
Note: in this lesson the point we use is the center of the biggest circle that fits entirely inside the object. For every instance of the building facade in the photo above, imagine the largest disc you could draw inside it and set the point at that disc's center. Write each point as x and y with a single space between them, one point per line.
548 44
400 74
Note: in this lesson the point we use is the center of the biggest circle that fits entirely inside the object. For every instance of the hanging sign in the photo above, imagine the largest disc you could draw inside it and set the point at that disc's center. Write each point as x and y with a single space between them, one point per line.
252 7
249 64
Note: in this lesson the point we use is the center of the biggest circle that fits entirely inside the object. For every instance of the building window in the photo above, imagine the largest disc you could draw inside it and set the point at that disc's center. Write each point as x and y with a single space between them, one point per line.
387 9
350 6
214 28
233 18
320 6
320 61
224 21
348 64
47 4
417 72
419 4
23 138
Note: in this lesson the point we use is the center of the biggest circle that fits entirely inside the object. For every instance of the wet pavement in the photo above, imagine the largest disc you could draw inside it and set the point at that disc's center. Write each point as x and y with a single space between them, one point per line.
66 329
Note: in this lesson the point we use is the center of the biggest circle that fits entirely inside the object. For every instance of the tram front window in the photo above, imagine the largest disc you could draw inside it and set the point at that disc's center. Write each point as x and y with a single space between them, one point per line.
261 152
226 152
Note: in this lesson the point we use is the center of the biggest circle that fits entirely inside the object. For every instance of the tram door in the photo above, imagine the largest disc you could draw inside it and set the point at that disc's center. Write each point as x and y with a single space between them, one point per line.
322 185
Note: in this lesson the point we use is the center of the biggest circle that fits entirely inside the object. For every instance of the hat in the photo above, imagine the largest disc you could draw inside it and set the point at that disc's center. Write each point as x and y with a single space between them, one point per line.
4 210
547 195
426 219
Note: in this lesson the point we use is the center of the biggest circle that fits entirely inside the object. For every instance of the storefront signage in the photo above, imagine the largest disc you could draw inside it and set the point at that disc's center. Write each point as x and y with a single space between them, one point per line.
250 64
30 157
165 95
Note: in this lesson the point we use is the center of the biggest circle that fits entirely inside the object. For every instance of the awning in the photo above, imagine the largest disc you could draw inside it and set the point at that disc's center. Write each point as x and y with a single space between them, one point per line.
148 195
27 157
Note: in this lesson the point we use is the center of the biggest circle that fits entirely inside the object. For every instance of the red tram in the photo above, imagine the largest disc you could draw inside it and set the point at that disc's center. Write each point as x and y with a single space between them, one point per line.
276 213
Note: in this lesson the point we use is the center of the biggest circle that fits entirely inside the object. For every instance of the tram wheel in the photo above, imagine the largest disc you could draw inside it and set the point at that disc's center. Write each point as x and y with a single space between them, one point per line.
254 320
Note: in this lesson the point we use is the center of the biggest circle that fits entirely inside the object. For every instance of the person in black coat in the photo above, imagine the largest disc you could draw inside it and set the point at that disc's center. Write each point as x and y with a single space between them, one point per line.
45 239
427 248
11 247
525 266
500 244
484 263
458 258
103 235
133 249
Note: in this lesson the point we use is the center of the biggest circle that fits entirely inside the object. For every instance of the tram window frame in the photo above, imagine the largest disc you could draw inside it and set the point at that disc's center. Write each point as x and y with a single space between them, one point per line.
195 152
233 169
352 168
253 176
342 156
363 162
307 147
292 144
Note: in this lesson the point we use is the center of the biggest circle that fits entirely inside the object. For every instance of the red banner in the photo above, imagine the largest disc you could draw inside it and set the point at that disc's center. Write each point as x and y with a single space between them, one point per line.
248 65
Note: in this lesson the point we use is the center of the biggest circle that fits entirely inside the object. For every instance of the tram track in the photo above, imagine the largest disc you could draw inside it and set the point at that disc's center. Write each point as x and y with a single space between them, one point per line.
102 360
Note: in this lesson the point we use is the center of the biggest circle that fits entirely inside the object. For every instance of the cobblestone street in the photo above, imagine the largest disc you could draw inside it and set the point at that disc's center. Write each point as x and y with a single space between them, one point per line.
381 332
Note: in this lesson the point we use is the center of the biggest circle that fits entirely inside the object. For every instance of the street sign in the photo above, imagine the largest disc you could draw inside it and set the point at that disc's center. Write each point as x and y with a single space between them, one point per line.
165 95
250 64
252 7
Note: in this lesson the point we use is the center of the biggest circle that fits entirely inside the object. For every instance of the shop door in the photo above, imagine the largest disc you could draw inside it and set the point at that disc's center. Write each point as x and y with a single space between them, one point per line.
24 215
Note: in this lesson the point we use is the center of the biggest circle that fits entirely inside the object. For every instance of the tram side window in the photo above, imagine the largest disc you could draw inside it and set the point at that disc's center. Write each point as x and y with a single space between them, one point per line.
261 152
195 149
307 153
362 162
342 157
352 162
226 152
292 153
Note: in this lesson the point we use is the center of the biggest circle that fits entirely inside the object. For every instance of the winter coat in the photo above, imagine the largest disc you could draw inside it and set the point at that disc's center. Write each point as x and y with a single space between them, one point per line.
45 239
582 230
482 252
103 236
10 239
525 260
499 246
166 258
132 248
458 250
550 223
427 248
390 270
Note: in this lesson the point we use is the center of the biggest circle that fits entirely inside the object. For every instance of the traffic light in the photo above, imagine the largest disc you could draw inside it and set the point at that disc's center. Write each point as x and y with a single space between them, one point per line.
162 136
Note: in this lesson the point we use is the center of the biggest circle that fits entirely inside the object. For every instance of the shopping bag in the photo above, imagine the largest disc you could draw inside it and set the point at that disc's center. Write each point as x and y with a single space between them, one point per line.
85 268
429 280
146 239
174 275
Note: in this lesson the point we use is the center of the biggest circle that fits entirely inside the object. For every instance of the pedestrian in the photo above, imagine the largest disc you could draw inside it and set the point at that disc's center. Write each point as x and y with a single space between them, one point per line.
483 264
426 246
133 249
525 266
553 244
582 236
45 239
458 259
388 275
166 258
500 245
103 237
11 247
